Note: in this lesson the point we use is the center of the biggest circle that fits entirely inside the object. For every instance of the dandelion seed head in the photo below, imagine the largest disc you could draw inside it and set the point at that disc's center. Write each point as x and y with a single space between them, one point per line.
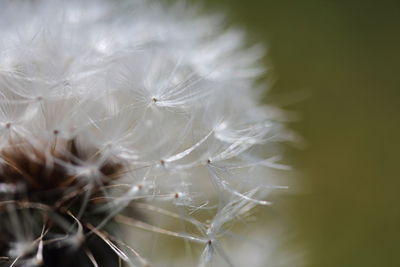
108 104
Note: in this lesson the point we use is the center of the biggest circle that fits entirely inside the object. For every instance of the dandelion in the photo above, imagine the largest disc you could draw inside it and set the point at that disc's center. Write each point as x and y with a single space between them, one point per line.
127 114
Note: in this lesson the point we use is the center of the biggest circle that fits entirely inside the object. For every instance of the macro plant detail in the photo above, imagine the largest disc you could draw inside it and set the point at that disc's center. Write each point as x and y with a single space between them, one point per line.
116 113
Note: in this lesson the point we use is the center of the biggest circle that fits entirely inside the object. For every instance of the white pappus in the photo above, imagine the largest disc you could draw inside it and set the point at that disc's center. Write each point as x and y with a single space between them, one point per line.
128 113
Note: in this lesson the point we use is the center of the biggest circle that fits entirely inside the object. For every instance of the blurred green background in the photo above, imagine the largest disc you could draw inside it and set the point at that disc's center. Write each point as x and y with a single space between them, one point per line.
344 56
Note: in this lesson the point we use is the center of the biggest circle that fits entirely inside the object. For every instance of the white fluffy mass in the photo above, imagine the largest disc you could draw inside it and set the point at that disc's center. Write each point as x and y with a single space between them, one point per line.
168 93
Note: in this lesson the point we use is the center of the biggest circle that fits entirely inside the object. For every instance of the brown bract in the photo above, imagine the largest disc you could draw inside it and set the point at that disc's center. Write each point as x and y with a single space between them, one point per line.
40 188
46 175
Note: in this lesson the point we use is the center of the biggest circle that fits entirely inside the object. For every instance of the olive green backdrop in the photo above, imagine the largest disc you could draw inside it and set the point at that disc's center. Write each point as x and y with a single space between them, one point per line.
336 64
